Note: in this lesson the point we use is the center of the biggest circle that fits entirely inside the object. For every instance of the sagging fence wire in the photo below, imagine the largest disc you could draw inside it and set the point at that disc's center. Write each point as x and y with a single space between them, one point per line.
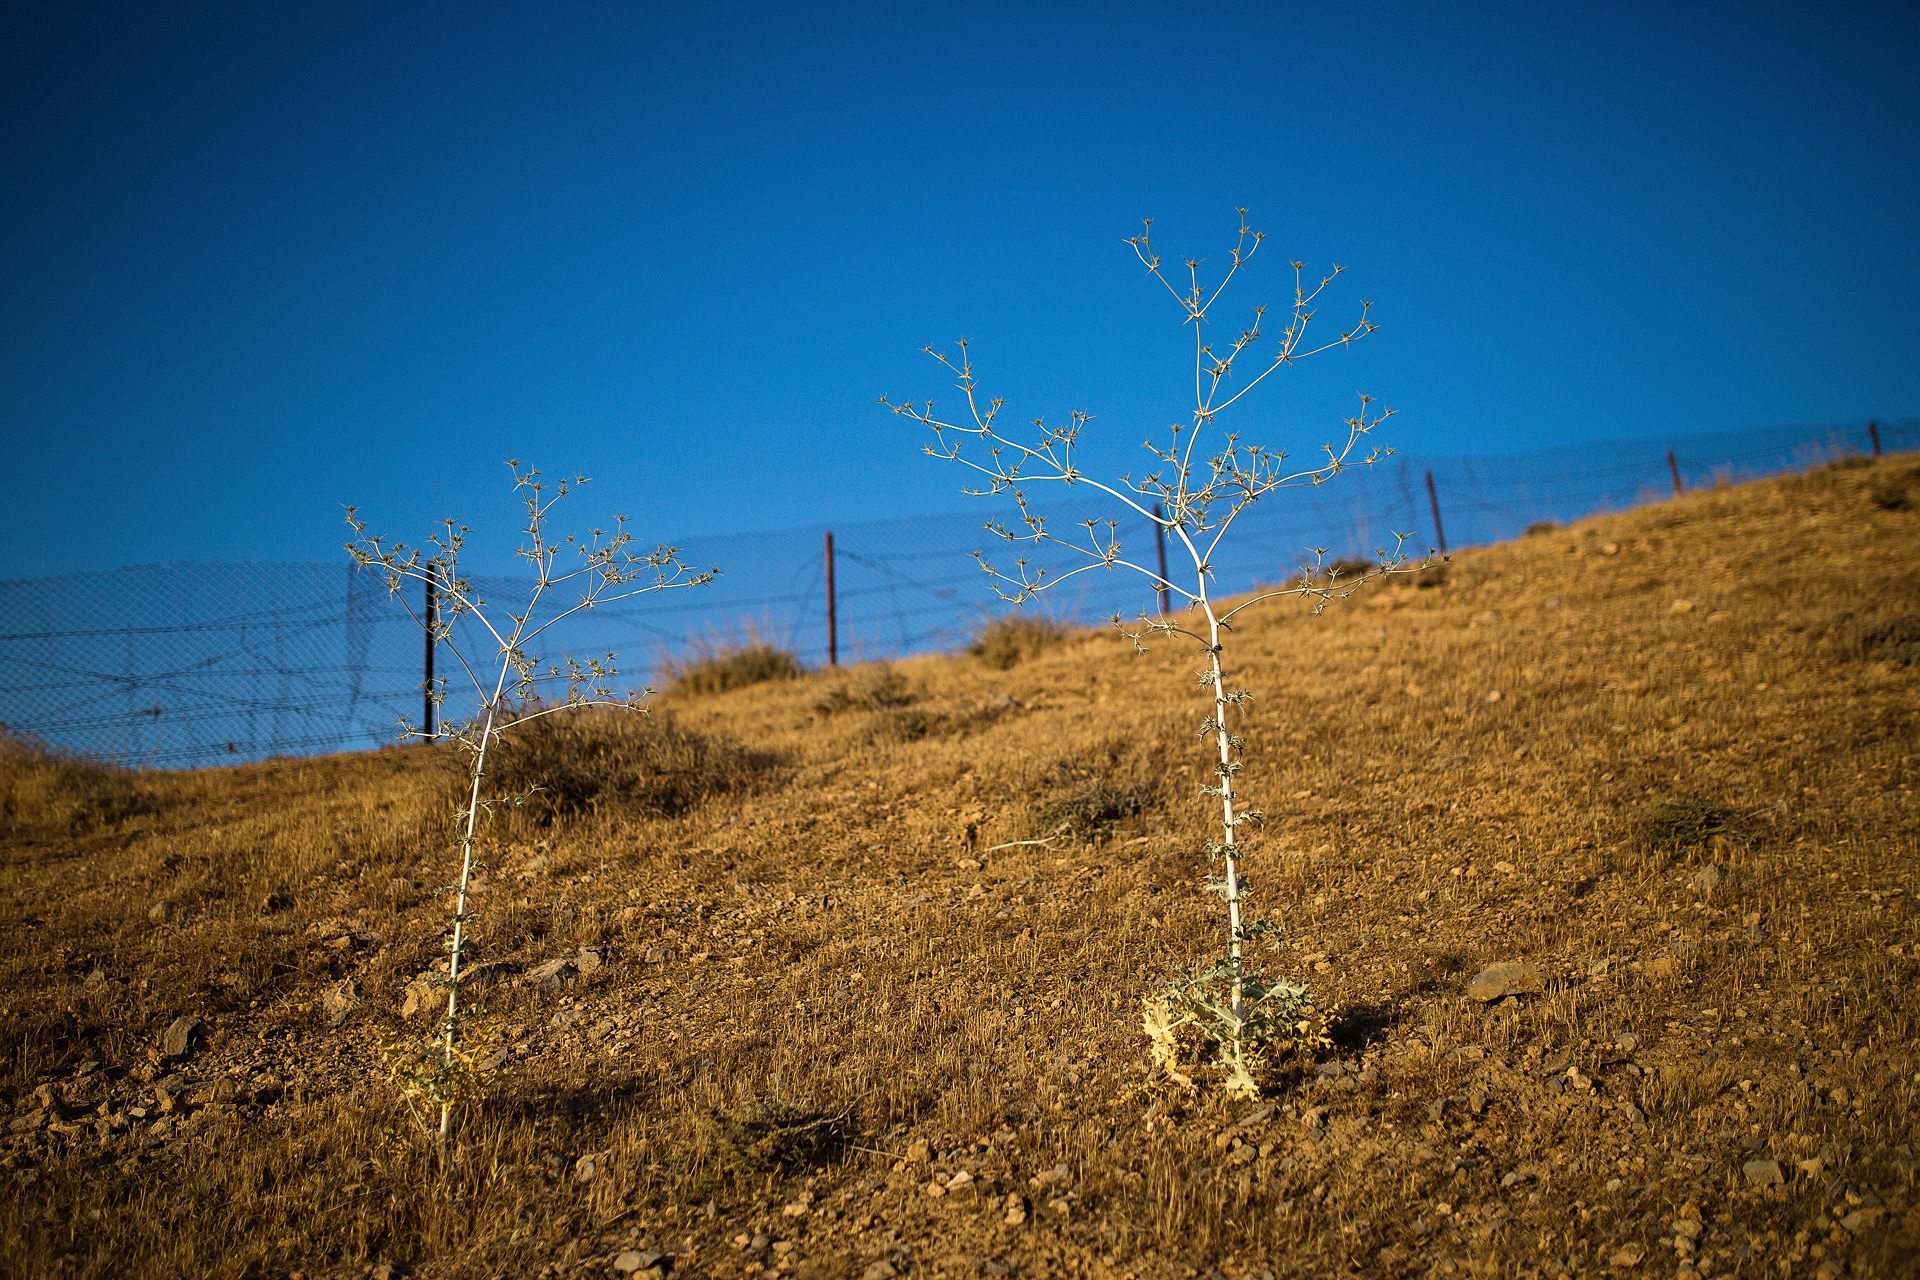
172 666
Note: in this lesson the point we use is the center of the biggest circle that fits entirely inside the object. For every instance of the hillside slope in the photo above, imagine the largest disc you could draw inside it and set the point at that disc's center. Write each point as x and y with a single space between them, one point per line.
857 958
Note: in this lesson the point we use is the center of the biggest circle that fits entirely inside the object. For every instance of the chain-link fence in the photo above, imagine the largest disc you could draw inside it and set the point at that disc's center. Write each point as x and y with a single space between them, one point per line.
184 665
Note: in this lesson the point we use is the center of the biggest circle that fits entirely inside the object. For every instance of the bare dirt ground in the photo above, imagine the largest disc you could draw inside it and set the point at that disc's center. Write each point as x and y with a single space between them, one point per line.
822 1017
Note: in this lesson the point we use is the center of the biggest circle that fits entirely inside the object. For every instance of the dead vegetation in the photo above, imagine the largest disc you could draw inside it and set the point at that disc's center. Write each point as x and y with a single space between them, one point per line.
813 1022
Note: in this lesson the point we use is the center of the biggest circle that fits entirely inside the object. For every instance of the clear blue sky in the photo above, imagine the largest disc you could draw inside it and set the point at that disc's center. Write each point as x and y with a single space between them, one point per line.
262 260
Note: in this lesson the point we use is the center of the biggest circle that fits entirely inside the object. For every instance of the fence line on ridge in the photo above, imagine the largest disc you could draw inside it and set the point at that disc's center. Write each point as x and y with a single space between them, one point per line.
184 665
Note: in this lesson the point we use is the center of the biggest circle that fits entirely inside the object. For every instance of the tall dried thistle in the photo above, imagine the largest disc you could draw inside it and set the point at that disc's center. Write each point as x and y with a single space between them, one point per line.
513 689
1195 497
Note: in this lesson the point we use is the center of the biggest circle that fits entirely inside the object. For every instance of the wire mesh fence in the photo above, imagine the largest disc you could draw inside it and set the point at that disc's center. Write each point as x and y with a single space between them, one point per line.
173 666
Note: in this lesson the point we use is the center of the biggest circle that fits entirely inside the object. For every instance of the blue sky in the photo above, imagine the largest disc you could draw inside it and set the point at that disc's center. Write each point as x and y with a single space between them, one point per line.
260 260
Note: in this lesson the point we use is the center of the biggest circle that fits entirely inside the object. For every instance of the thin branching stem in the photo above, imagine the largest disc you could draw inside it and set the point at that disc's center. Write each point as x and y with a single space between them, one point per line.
1199 498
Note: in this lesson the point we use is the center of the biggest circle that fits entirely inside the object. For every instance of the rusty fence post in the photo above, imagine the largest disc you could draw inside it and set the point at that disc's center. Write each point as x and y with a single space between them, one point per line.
833 621
1433 500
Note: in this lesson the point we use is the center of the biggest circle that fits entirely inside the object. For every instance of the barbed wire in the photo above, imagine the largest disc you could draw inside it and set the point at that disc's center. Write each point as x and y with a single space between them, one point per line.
187 665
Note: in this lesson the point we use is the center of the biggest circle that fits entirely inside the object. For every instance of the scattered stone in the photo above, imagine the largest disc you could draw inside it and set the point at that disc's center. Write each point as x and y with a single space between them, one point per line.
586 1168
960 1181
1813 1166
917 1150
1508 978
1016 1211
1709 880
881 1270
339 1001
641 1260
1860 1219
1763 1173
181 1035
1626 1042
935 1190
555 974
1631 1254
162 911
1058 1176
794 1209
1681 606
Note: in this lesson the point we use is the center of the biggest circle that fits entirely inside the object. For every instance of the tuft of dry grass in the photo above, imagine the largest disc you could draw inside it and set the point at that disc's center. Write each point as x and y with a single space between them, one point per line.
1539 755
1014 638
724 668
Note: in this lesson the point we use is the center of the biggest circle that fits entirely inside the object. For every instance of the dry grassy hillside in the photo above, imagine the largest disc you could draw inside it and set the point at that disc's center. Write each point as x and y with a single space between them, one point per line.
820 1023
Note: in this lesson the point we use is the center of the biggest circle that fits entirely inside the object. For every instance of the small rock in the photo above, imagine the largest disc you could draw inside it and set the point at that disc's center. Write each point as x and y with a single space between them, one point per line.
1630 1255
640 1260
1763 1173
1508 978
1626 1042
917 1150
935 1190
1860 1219
180 1037
1708 880
339 1001
552 975
1813 1167
1681 606
586 1168
793 1209
1058 1176
589 959
880 1270
959 1181
1016 1211
162 911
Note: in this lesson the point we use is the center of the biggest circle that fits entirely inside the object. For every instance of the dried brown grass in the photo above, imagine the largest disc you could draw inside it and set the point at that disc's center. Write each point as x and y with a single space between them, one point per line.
824 936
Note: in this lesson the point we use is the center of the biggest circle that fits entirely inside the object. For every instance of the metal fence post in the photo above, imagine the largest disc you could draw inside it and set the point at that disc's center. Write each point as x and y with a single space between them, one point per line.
1433 500
426 686
1873 429
1674 467
833 623
1160 542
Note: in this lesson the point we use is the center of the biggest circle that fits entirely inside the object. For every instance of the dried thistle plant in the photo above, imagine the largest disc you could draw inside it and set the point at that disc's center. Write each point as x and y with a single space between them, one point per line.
513 688
1203 481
